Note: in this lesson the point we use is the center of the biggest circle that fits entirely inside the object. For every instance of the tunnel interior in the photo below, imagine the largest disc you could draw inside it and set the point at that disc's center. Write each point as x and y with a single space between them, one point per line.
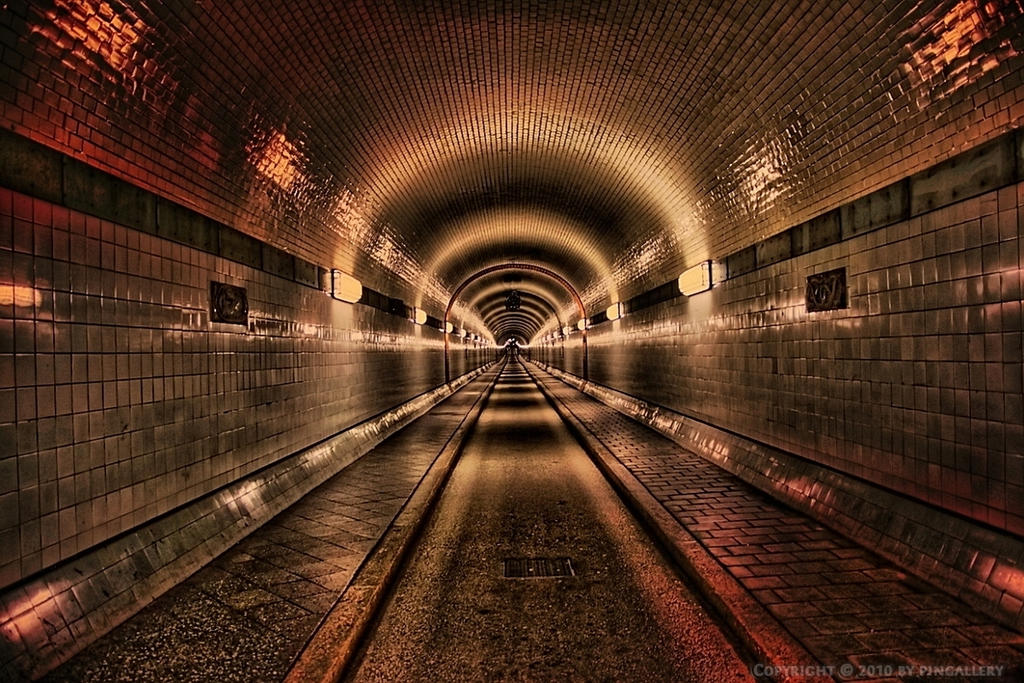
234 232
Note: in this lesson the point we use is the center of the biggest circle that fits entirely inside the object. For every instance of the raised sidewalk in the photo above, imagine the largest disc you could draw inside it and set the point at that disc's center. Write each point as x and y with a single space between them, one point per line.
248 614
805 598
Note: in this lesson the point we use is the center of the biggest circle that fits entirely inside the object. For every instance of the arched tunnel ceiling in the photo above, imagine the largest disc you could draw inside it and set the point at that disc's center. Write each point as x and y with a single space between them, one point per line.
415 143
542 299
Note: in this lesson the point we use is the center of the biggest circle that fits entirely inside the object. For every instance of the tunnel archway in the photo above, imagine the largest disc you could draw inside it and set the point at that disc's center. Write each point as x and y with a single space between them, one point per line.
515 266
540 298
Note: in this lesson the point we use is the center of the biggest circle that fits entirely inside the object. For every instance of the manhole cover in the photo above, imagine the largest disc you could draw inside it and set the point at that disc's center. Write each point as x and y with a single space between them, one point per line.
538 567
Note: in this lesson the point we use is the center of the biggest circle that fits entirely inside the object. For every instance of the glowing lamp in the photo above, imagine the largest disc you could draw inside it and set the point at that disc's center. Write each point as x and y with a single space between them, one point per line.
20 296
449 328
345 287
419 316
582 324
614 312
696 279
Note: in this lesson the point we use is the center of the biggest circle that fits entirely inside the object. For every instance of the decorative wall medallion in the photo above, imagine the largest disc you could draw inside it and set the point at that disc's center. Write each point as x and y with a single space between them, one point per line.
826 291
228 304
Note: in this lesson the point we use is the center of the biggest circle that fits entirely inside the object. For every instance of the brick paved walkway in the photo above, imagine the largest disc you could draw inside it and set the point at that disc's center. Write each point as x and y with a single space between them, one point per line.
845 604
248 613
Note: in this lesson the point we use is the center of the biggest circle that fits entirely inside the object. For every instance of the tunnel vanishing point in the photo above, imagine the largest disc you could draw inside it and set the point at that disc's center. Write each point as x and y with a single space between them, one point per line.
268 270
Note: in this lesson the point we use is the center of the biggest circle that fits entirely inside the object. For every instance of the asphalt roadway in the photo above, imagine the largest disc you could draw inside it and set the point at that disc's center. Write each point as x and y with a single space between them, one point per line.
525 489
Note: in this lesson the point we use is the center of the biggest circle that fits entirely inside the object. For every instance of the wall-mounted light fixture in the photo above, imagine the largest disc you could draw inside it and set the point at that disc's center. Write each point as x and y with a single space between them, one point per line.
614 312
449 328
696 279
345 287
582 324
419 316
567 330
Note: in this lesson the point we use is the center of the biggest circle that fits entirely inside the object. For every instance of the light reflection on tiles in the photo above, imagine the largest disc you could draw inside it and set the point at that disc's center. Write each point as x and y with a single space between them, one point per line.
917 386
123 400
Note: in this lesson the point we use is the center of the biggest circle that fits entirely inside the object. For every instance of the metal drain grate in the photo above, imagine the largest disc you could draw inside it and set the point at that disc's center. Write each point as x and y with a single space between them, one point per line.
538 567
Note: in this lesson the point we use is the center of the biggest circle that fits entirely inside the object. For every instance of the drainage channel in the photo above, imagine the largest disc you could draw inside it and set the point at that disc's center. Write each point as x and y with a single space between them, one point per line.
530 567
538 567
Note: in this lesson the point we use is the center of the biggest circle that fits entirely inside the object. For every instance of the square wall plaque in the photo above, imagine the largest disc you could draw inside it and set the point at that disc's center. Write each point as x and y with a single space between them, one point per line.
826 291
228 304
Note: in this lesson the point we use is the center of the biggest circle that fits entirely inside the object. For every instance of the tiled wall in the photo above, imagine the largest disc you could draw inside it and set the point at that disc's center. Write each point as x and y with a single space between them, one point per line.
120 399
916 386
701 126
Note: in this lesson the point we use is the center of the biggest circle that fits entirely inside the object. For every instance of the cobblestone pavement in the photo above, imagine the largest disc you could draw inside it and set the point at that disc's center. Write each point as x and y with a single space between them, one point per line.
846 605
248 613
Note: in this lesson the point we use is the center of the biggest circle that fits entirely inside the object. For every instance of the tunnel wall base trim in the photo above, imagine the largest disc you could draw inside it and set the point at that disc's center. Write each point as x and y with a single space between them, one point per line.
48 618
979 565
